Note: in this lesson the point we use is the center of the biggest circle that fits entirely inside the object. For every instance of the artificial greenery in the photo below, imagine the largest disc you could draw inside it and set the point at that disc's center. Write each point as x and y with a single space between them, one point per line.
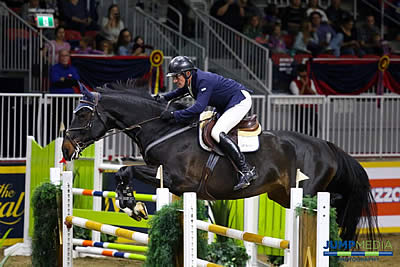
225 250
311 203
166 235
45 235
221 210
227 253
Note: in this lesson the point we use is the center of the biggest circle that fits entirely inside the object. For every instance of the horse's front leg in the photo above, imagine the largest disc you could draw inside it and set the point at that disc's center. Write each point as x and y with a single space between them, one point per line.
143 173
125 199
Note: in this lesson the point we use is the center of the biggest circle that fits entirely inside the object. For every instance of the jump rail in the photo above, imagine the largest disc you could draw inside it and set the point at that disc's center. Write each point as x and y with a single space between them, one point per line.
90 243
108 229
110 253
111 194
291 245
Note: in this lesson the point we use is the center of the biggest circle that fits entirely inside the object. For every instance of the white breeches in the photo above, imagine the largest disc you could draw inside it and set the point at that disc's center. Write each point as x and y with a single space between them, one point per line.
232 116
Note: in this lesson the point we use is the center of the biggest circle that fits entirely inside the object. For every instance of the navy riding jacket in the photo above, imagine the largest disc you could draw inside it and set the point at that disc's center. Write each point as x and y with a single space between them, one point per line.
209 89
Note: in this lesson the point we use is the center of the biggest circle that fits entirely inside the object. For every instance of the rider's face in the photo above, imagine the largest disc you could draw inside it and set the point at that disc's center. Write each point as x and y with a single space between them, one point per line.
179 80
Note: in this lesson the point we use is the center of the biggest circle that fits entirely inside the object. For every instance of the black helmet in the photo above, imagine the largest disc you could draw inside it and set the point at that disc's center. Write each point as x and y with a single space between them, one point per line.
179 65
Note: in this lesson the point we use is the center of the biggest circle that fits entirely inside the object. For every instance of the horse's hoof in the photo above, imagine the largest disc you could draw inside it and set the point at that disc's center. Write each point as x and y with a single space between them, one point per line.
140 210
240 186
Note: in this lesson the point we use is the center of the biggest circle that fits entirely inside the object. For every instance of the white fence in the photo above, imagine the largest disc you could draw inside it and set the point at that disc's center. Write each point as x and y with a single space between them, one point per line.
47 116
366 126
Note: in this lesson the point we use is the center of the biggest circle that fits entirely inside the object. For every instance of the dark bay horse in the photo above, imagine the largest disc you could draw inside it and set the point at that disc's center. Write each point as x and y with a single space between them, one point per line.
281 152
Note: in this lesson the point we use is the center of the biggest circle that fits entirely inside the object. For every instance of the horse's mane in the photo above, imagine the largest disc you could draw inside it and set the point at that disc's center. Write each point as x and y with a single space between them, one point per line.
134 90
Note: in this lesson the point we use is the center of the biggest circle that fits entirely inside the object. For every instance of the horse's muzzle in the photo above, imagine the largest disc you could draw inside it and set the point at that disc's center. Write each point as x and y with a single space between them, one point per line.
68 150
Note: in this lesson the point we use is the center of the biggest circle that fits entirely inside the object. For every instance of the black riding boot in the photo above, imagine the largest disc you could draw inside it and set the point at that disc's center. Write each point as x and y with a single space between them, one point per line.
247 173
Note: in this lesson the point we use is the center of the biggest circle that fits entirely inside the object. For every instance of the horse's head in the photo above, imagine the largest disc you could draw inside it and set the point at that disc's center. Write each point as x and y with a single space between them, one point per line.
87 125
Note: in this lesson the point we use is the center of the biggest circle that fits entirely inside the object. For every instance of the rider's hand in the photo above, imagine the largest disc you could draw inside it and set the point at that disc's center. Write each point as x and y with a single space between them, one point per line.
167 115
160 99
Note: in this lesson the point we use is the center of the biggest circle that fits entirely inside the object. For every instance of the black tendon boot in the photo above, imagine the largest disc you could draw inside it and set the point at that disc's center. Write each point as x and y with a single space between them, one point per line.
247 173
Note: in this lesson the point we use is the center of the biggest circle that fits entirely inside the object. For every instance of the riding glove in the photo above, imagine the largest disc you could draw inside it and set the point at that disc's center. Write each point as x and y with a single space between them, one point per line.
167 115
160 99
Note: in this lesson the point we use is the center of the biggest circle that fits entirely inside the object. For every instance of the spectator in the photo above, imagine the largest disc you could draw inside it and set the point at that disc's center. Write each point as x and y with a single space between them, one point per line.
139 47
292 17
305 116
345 41
112 25
271 15
313 7
124 44
276 42
336 14
28 15
369 37
87 46
263 39
230 12
253 29
50 33
77 16
106 47
324 31
306 40
63 75
59 43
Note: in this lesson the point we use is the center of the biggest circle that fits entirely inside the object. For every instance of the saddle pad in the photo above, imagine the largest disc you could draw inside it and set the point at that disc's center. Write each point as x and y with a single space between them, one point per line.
247 141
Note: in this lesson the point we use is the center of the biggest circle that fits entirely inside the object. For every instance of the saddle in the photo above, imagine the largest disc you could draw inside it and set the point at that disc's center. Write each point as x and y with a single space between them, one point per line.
245 134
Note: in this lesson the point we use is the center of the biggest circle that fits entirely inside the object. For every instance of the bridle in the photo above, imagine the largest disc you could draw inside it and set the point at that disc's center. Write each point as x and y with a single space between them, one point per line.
79 146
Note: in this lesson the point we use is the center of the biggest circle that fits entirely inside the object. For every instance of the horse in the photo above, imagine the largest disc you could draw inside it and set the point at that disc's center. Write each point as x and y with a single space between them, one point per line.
132 110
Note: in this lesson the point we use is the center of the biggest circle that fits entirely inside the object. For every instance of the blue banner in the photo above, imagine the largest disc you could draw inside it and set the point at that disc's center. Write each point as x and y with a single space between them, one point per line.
98 70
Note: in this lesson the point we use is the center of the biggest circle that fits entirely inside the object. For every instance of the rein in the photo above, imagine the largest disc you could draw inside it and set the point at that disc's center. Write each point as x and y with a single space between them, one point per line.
79 146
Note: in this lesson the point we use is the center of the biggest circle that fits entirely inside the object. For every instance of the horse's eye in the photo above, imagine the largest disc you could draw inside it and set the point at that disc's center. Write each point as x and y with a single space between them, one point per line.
82 115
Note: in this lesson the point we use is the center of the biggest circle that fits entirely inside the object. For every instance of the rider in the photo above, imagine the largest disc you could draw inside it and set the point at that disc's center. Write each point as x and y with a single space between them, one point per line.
231 99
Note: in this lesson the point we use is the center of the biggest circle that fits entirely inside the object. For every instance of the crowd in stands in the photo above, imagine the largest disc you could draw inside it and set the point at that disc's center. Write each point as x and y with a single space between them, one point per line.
79 30
305 28
298 28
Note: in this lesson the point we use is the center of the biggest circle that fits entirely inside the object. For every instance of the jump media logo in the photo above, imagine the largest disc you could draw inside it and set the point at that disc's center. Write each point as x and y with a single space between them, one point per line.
365 248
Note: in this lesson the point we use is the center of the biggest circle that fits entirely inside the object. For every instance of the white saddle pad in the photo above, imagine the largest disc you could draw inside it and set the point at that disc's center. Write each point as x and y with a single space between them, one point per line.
247 141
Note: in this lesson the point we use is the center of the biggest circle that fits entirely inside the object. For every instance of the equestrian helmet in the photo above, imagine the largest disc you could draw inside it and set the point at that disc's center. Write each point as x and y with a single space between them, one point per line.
180 64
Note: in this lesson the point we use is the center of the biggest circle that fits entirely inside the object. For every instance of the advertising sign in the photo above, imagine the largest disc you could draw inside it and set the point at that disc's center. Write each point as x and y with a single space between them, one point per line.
12 192
385 182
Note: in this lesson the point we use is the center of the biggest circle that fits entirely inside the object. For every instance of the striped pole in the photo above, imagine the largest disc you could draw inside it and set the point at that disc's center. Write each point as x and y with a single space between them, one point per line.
241 235
203 263
89 243
108 229
110 253
111 194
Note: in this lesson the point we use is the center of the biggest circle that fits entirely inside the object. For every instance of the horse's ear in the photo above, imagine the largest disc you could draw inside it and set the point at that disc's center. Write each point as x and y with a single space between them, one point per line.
85 92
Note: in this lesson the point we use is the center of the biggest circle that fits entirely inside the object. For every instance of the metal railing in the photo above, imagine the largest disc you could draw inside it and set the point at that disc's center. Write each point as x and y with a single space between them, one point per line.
21 48
19 117
247 60
168 40
381 10
364 126
46 116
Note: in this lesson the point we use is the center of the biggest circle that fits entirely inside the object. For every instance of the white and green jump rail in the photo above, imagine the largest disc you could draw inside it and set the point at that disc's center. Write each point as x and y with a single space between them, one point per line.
290 244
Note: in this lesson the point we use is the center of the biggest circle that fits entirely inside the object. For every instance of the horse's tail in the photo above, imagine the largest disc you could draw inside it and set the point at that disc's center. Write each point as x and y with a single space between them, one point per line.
357 206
